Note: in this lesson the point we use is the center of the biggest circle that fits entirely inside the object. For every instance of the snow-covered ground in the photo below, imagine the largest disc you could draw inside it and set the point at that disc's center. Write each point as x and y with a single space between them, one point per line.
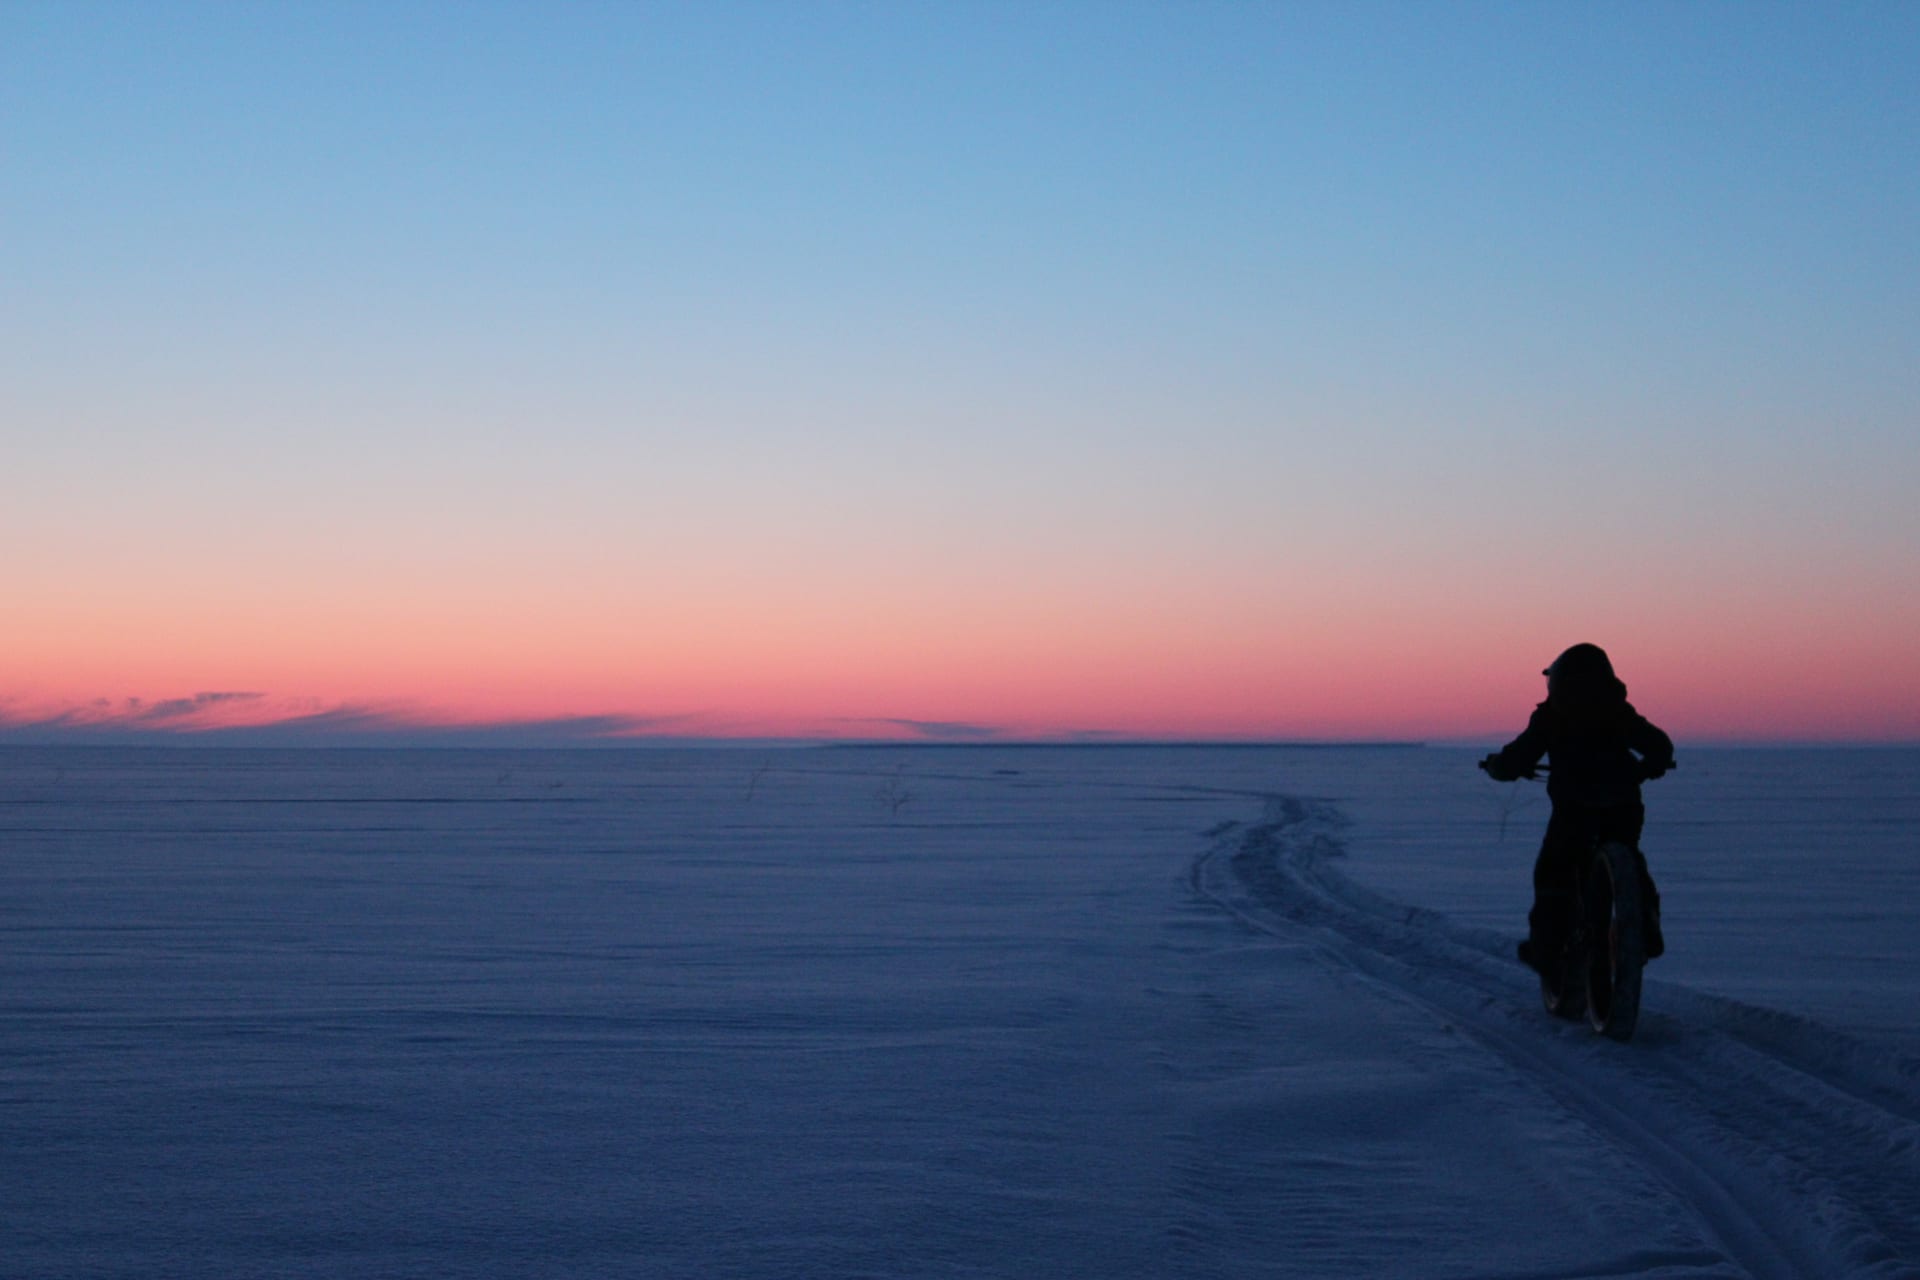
889 1012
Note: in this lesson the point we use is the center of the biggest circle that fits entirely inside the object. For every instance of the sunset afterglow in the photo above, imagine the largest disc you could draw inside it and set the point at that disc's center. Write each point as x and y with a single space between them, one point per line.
957 372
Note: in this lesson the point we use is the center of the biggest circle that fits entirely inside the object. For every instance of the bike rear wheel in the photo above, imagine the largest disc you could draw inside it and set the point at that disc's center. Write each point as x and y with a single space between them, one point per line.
1615 930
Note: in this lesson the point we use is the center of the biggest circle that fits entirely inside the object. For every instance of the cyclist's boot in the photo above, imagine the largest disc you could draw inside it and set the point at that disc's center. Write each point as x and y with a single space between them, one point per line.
1548 926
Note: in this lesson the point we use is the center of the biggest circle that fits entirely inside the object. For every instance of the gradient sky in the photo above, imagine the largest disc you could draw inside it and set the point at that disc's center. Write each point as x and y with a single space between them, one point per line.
1192 370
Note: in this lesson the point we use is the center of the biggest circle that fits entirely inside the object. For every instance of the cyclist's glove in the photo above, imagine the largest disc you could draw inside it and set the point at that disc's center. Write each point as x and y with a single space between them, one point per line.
1499 770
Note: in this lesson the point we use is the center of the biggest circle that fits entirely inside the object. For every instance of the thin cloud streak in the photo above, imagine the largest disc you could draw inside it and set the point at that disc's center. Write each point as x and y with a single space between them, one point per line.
187 712
194 720
935 730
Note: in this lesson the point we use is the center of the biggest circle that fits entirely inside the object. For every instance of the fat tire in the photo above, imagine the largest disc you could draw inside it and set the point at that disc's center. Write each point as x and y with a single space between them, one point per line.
1616 933
1569 1001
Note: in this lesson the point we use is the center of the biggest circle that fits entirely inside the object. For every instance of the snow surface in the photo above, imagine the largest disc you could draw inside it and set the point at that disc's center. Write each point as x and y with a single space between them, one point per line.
889 1012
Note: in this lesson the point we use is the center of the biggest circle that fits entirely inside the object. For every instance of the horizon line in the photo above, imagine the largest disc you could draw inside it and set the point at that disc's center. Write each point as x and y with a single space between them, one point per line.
257 720
504 738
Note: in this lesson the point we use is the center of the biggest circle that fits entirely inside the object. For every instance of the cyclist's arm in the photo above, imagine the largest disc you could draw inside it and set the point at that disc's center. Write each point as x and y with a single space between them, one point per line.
1518 758
1651 742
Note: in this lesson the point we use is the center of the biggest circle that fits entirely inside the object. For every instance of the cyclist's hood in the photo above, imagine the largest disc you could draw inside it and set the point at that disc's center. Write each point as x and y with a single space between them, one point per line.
1582 680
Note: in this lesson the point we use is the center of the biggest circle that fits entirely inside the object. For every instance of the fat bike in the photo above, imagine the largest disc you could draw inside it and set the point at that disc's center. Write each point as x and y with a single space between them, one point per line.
1597 974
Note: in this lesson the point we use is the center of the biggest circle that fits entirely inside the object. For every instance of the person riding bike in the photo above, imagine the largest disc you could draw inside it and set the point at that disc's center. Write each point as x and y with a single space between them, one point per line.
1601 750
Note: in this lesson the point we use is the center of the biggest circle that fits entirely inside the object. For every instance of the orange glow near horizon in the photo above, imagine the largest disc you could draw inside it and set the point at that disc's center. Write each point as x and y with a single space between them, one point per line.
1144 689
1142 645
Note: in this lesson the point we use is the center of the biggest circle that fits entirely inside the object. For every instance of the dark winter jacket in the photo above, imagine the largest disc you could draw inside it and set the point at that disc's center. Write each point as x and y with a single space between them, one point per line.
1599 754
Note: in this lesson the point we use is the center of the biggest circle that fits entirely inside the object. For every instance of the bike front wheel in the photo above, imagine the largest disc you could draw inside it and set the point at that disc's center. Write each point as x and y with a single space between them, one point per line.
1615 927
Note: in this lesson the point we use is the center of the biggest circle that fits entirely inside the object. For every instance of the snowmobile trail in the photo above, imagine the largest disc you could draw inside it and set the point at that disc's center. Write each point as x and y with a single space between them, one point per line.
1795 1150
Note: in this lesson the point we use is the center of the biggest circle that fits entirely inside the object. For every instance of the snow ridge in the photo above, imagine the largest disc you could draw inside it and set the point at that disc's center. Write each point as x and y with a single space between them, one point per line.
1794 1148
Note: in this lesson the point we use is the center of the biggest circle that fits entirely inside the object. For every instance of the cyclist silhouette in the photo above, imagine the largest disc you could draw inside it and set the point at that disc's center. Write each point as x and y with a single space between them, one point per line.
1600 749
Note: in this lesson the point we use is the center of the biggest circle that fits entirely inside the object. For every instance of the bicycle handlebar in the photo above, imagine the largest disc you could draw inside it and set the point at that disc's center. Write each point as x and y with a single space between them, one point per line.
1641 767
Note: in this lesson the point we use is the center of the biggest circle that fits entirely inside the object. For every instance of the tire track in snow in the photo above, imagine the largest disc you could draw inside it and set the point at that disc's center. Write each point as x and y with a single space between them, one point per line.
1795 1149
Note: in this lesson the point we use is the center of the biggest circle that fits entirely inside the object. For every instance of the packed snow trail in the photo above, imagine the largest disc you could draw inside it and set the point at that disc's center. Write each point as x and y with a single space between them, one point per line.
1794 1149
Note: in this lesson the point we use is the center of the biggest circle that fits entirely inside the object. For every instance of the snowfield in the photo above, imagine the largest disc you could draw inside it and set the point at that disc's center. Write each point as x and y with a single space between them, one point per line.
943 1012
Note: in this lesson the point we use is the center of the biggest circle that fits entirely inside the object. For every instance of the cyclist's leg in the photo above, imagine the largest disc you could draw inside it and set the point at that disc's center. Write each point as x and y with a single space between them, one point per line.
1556 874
